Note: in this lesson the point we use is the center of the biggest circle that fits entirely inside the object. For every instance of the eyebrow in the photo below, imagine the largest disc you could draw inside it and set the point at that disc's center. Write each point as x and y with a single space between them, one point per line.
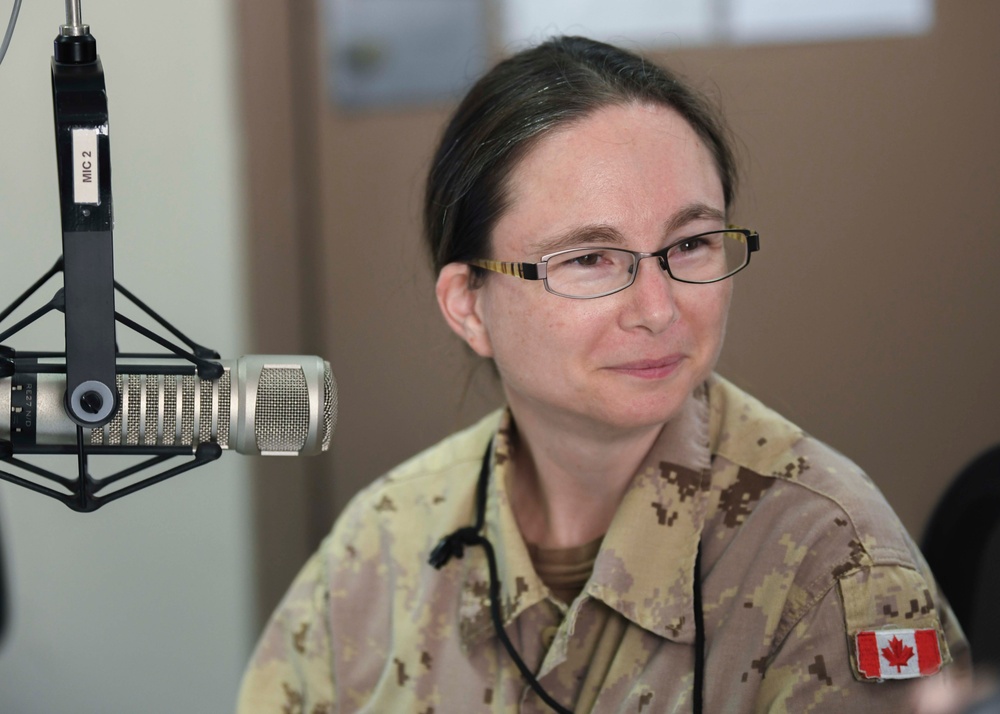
694 212
598 234
601 234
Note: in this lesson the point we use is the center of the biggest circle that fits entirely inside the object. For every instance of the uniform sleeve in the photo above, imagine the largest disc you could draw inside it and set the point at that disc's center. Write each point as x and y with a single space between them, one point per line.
291 669
815 669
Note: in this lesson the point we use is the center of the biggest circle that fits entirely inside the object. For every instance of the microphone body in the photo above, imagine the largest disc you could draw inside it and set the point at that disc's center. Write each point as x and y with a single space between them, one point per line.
262 404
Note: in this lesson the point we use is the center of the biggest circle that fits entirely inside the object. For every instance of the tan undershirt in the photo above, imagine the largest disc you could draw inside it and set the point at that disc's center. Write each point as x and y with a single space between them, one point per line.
565 570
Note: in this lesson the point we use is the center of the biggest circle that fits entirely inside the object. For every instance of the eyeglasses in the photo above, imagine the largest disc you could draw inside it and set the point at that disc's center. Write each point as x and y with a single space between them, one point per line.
596 272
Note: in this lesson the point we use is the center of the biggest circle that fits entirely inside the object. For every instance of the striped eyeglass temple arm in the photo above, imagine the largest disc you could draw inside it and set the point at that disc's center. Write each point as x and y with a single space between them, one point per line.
525 271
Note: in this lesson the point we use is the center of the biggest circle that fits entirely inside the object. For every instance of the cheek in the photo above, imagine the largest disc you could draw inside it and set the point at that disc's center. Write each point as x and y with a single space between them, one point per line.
576 329
707 311
509 320
537 332
723 300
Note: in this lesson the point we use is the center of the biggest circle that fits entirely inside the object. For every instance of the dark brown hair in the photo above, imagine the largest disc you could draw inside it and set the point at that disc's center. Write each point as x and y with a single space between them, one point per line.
514 104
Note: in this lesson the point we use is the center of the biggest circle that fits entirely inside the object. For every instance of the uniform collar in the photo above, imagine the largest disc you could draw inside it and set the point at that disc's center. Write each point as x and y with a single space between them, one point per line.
658 525
645 569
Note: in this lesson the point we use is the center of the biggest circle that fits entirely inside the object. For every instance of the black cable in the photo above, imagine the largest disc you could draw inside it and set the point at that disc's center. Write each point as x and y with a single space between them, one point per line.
697 695
508 645
454 546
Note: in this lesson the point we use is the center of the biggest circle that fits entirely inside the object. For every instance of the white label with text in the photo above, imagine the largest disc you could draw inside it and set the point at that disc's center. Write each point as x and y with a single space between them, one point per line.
85 185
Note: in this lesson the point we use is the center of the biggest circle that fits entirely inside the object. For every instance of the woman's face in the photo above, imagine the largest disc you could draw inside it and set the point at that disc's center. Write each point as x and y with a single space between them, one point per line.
637 177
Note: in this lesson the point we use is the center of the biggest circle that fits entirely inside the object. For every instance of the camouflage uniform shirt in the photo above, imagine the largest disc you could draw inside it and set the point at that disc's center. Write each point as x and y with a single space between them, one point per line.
800 552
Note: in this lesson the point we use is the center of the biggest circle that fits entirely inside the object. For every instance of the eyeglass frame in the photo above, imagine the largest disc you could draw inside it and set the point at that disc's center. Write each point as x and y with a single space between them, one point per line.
539 270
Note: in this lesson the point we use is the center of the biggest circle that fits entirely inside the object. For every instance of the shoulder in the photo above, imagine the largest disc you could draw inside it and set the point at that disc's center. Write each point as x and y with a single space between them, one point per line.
761 446
418 498
811 526
446 465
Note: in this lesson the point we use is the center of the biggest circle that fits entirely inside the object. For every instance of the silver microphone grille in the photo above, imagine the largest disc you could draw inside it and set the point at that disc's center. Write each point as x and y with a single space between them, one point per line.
281 423
290 405
329 405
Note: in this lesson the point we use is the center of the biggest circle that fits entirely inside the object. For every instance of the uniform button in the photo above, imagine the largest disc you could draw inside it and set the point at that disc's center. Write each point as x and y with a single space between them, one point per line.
549 634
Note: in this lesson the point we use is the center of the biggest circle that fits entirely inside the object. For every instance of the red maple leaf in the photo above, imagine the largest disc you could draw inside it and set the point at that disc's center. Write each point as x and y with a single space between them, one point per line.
897 653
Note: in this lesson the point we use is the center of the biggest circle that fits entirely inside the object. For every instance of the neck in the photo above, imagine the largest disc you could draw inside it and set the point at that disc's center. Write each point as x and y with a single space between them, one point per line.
567 483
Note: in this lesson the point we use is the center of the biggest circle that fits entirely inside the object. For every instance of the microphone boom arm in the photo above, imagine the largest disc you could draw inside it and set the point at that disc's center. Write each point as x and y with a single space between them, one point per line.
83 155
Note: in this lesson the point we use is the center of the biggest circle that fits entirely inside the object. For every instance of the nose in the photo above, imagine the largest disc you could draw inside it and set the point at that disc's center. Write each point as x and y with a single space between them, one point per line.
651 297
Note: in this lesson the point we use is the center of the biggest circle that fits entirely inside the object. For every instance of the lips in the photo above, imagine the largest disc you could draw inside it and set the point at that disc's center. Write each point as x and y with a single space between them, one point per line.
656 368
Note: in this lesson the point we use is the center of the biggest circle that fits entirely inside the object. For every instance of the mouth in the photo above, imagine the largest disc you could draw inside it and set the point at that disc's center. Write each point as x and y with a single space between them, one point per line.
657 368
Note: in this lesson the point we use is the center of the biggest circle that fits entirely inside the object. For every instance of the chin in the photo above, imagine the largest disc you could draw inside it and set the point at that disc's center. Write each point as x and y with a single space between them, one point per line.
659 403
644 412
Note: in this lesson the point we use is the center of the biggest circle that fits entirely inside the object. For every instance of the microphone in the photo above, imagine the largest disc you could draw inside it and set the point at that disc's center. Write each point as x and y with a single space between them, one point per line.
90 399
261 405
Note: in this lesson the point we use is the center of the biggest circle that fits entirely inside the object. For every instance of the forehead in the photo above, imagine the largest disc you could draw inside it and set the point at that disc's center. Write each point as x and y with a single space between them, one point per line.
630 169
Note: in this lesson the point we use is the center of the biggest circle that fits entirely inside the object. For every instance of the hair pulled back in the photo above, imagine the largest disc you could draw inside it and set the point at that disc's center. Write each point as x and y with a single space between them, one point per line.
539 89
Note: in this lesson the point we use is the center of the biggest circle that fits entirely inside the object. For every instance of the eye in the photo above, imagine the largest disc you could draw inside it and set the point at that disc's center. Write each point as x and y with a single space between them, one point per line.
690 244
587 260
700 247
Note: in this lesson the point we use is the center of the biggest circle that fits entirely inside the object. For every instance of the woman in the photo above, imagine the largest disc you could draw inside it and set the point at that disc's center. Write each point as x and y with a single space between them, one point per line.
632 533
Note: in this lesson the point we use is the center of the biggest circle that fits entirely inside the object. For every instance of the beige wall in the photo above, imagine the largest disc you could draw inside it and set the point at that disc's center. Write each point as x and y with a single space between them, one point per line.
871 171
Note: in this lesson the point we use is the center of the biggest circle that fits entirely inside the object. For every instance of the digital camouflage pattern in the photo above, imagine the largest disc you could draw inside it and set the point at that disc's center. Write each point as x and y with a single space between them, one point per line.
800 553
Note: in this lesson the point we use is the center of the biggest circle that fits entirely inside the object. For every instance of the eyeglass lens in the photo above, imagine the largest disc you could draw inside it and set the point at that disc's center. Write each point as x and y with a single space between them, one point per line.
596 271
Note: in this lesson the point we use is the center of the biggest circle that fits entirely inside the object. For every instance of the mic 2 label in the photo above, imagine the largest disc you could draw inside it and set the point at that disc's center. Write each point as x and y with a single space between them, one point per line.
85 166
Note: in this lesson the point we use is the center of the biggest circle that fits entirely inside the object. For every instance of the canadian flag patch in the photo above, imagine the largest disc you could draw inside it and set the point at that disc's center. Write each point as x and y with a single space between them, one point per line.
898 654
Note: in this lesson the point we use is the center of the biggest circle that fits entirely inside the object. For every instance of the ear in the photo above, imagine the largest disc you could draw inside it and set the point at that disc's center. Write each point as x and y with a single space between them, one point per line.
460 305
